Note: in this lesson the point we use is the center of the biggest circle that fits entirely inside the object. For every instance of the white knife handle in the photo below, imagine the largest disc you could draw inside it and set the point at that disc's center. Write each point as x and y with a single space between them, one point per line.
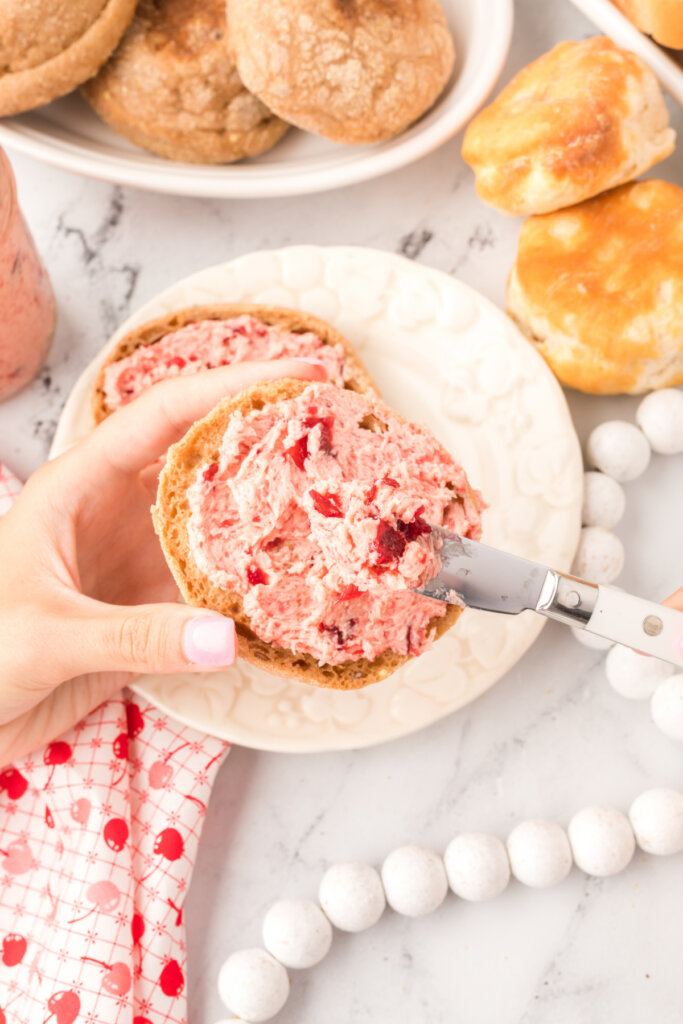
643 625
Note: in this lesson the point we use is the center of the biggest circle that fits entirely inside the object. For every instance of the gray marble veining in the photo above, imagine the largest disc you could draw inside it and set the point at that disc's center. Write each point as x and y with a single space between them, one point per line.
548 739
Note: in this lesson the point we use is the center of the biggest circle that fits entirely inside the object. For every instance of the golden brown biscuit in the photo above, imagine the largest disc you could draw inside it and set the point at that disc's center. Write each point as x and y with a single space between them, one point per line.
171 516
352 70
294 320
599 289
581 119
48 47
171 87
662 19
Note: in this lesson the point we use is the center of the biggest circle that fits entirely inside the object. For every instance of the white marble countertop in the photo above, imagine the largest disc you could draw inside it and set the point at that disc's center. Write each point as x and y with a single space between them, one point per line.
548 739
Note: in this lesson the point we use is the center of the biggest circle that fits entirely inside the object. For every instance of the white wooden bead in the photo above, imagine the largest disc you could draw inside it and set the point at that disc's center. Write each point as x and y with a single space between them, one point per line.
414 880
477 866
253 985
667 707
660 417
604 500
634 676
618 449
297 933
596 643
352 896
657 821
602 840
539 853
600 556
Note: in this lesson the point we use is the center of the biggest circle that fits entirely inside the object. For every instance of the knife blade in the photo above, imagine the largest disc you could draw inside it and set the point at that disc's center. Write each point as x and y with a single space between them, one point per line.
483 577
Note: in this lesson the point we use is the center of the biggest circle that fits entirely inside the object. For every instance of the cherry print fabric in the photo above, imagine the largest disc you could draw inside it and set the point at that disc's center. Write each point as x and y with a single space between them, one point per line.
98 836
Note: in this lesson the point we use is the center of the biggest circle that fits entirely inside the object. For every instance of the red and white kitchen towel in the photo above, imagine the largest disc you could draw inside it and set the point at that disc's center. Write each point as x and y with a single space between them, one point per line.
98 837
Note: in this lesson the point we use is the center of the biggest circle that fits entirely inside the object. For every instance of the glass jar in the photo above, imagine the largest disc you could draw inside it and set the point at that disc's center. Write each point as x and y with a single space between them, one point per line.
27 302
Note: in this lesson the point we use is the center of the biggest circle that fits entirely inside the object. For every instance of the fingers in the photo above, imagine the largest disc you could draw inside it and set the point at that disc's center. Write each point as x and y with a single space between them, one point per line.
676 600
140 432
150 639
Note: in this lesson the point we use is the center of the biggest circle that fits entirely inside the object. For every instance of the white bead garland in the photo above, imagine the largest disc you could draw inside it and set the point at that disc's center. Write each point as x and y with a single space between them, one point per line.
297 933
660 417
657 821
634 676
667 707
602 840
352 896
618 449
539 853
600 555
414 880
604 500
477 866
253 985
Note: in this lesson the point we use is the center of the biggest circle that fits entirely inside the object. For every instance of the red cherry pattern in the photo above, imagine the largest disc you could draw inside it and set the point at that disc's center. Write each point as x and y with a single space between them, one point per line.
56 753
172 979
13 783
66 1006
115 834
111 895
13 950
80 810
137 928
117 979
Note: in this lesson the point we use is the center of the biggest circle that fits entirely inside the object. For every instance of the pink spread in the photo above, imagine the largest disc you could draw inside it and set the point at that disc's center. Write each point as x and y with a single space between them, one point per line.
210 343
27 303
321 524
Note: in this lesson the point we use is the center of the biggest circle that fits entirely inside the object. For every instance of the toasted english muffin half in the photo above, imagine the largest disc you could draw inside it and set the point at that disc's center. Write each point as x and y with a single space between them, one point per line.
172 514
292 320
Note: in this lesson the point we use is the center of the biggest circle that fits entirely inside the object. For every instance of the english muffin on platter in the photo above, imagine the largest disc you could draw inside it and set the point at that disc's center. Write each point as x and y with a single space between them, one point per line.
354 71
48 47
598 288
583 118
202 337
171 87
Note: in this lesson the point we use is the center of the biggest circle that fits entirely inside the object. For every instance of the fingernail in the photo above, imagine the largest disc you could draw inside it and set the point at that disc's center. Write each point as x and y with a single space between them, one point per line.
209 640
306 359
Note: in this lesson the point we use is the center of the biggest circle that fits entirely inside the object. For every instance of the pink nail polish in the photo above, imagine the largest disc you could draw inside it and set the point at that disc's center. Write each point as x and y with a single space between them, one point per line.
209 640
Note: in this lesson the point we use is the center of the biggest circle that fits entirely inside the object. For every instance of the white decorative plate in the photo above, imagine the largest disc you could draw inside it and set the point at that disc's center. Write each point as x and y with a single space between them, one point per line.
613 23
441 354
68 134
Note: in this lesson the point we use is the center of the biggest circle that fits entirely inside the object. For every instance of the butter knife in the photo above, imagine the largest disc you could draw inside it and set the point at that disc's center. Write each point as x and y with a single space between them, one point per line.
495 581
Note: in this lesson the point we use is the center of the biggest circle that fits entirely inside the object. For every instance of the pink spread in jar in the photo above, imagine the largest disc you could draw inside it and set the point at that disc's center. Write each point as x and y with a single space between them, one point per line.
210 343
317 513
27 302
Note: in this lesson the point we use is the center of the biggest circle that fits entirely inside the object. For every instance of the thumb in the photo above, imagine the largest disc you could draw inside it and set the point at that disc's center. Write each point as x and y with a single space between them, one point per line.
155 638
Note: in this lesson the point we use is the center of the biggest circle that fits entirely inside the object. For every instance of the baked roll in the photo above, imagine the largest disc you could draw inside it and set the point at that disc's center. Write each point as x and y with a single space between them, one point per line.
583 118
598 288
661 19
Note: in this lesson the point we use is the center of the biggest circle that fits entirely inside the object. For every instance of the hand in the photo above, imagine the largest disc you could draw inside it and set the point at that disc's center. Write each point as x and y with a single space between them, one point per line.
81 569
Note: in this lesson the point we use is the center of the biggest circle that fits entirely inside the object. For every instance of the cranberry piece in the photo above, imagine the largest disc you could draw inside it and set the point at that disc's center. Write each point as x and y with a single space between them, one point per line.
372 494
210 472
326 504
255 575
298 452
325 424
390 482
417 527
177 361
388 543
348 593
332 631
